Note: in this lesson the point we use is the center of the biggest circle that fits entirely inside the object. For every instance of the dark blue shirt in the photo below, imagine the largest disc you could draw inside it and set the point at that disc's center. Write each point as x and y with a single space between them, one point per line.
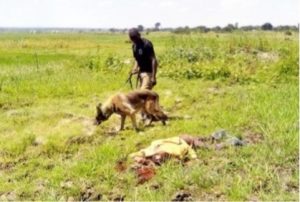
143 52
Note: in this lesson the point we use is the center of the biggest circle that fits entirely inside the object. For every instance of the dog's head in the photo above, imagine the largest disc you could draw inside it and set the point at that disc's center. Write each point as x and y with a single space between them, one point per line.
100 116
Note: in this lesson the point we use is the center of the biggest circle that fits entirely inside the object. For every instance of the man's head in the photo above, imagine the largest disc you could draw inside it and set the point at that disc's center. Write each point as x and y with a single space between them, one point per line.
134 35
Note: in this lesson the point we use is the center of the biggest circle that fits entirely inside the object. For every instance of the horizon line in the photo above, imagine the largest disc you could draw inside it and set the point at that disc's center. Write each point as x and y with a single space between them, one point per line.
107 28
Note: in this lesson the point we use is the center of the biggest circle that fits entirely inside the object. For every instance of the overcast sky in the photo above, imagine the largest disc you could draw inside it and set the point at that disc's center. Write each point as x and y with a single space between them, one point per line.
129 13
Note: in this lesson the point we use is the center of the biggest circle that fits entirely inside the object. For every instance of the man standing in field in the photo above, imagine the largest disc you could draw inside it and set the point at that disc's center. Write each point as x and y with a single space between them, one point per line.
145 61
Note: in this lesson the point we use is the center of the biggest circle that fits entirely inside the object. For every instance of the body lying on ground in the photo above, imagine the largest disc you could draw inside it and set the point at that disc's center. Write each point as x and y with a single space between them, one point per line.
169 147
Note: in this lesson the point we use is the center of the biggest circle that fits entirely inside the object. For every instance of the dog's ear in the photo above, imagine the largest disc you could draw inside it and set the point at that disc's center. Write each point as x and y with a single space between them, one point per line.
99 107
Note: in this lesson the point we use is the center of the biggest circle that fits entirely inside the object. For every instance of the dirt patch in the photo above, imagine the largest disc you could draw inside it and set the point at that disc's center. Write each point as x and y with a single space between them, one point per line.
7 165
39 141
116 197
168 93
292 187
155 186
40 186
268 56
11 106
90 194
68 115
89 126
87 123
84 105
252 137
82 139
121 165
8 196
66 184
215 90
17 113
182 196
11 164
210 196
119 198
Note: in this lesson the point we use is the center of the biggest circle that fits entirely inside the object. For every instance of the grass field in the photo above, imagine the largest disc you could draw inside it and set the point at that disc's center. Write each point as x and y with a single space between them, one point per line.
246 83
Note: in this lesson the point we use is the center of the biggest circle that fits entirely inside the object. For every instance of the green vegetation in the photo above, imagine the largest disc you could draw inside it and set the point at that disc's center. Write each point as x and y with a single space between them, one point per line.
244 82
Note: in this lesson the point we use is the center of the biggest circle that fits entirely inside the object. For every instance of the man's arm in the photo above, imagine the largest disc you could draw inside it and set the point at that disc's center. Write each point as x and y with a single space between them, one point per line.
154 63
154 70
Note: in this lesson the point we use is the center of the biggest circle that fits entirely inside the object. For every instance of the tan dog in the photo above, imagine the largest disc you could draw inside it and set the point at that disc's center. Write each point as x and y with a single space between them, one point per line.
129 104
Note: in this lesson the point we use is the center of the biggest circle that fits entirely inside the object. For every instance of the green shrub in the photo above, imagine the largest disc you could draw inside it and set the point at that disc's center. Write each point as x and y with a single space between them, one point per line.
100 62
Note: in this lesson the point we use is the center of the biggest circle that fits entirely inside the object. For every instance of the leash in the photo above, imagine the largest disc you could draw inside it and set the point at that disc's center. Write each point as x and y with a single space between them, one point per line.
129 80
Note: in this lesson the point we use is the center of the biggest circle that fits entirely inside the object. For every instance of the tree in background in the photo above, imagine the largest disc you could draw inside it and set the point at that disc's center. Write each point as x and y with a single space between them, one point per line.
140 28
182 30
157 25
202 29
113 30
267 26
229 28
216 29
236 25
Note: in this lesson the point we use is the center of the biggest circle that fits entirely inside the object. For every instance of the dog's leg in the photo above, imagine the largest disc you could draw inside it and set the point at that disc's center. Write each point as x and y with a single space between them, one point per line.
151 120
161 115
133 120
143 116
122 122
158 113
155 112
149 110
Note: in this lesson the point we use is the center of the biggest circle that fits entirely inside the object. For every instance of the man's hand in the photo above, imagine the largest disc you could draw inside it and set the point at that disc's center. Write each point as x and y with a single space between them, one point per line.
134 71
153 81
